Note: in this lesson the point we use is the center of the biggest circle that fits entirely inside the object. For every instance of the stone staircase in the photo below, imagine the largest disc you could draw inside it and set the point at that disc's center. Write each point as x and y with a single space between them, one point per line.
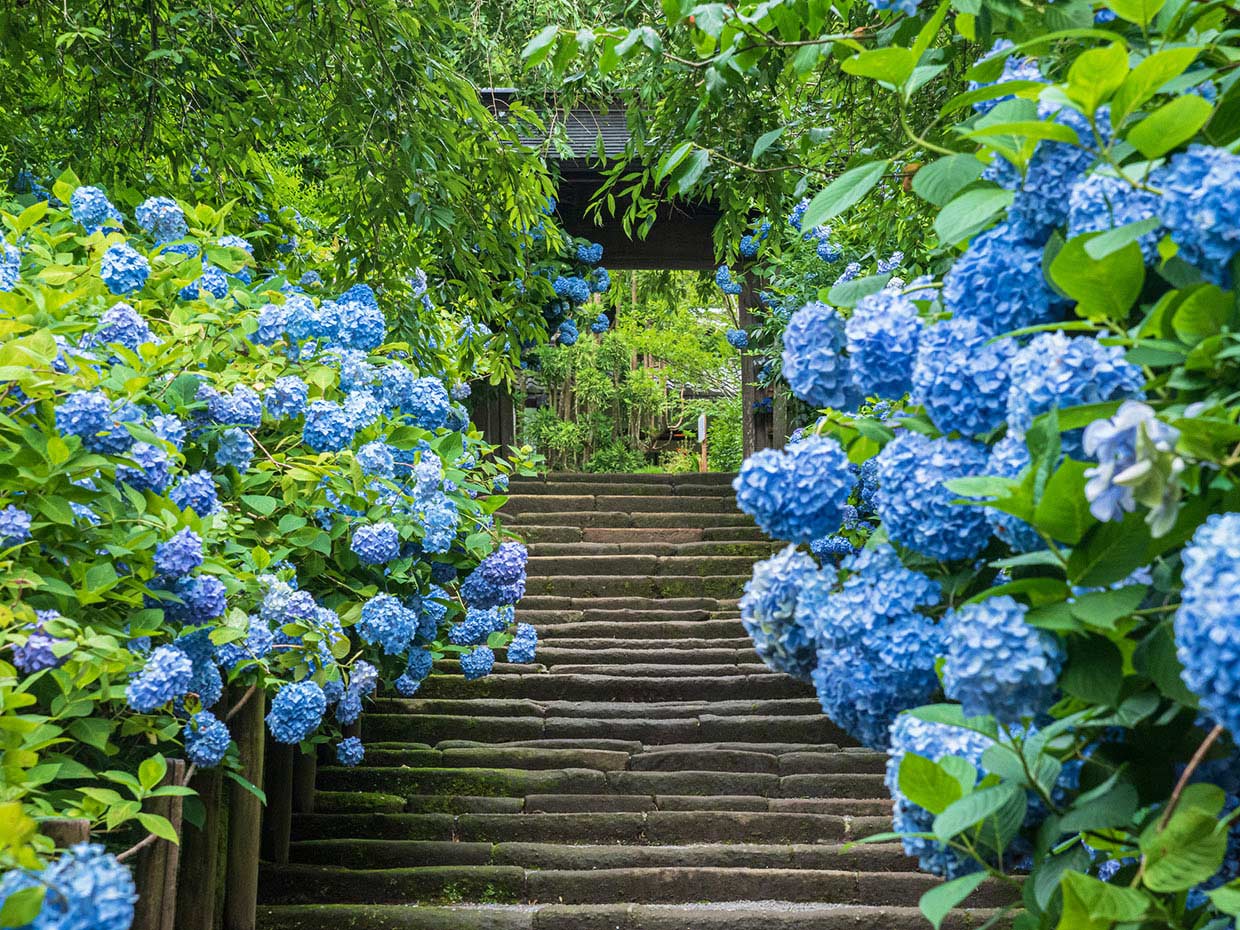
649 773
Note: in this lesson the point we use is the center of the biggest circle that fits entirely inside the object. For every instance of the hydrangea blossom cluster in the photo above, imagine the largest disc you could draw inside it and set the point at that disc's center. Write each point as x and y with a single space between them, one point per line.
1057 371
738 339
387 623
524 645
1200 205
90 207
917 509
165 676
997 664
1015 68
14 526
10 265
1101 202
1207 627
376 543
815 366
727 284
86 889
206 740
124 270
962 378
1008 458
179 555
796 494
998 283
498 580
933 741
296 711
1135 452
875 648
162 218
350 751
883 334
38 652
477 663
768 612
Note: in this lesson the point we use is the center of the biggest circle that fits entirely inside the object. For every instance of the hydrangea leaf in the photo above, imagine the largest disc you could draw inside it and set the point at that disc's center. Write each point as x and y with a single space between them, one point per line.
843 192
1136 11
1104 288
1171 125
1094 671
941 180
1188 851
1091 904
976 808
1112 809
1096 75
938 902
929 785
971 211
1227 898
1147 77
1102 609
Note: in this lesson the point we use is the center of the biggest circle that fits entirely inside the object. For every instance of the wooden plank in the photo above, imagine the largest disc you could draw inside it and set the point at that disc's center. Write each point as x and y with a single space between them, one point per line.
305 769
199 872
155 871
245 817
278 786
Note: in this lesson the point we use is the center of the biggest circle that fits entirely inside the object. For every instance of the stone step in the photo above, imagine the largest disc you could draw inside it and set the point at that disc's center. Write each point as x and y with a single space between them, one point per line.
345 802
552 656
597 643
654 828
519 782
573 614
623 487
647 565
615 519
694 629
666 669
737 915
653 710
577 477
617 687
732 531
381 854
562 602
752 551
302 883
630 504
641 586
432 728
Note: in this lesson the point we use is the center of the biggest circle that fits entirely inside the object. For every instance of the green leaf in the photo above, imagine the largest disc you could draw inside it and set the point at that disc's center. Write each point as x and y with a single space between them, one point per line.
260 503
1090 904
1104 288
1188 851
1136 11
1102 609
974 808
160 826
1156 659
970 212
891 65
1027 129
1203 312
690 171
1147 77
850 293
1096 75
152 771
1226 899
765 141
93 731
1094 672
1103 244
941 180
927 784
22 907
843 192
1111 810
537 49
672 159
1063 512
939 901
1171 125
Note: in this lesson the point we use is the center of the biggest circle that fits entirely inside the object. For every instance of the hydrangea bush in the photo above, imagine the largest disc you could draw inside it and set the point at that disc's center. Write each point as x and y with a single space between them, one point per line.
1040 625
209 491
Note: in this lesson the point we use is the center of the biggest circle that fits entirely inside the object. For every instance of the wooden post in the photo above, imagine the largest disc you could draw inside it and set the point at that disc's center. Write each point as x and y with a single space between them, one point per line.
781 420
305 769
155 872
278 786
245 816
66 831
196 883
749 434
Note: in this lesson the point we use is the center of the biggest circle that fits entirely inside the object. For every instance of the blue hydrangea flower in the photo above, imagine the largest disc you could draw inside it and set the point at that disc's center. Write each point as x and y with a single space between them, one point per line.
432 609
84 414
907 7
815 365
350 751
10 266
1102 201
162 218
590 254
461 390
362 408
362 326
151 469
499 484
1200 205
196 492
169 428
478 663
917 510
601 324
876 650
524 645
165 676
438 520
499 578
427 402
14 526
327 427
796 494
474 629
851 270
1015 68
829 251
37 653
600 281
212 280
206 740
1008 458
86 889
272 319
123 325
418 665
962 378
749 246
376 543
90 207
567 333
997 664
1207 626
240 408
933 741
387 623
179 555
1126 447
798 214
236 449
296 711
1059 371
883 333
738 339
287 397
256 645
202 598
768 612
998 282
832 548
375 458
123 270
572 288
727 284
